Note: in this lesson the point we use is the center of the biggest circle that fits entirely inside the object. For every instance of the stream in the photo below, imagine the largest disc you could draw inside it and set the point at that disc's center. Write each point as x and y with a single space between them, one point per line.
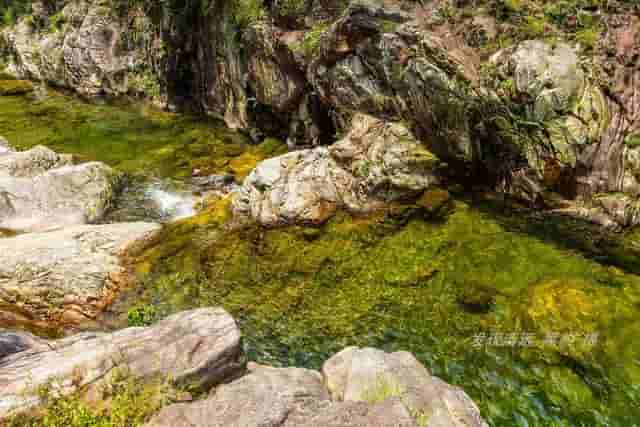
537 329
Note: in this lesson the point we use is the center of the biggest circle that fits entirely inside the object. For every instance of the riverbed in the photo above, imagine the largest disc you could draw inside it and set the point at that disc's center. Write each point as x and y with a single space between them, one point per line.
536 329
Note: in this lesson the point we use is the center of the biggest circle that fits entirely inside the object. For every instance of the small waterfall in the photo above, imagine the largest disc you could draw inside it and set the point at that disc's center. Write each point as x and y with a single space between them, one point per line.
171 204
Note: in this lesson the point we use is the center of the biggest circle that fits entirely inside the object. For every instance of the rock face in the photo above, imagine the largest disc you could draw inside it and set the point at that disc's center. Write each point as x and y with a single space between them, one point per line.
40 190
302 70
83 46
199 347
375 59
65 276
357 388
586 156
376 162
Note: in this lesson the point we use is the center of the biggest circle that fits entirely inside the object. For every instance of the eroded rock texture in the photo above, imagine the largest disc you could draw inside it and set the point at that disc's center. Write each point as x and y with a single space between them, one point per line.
67 276
40 190
199 347
357 388
376 162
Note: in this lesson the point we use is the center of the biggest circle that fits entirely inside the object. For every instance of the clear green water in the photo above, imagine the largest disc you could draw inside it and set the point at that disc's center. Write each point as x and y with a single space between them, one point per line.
134 139
394 280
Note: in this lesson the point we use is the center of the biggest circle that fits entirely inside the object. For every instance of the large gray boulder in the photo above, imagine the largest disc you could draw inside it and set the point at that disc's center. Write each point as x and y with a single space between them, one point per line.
357 388
67 276
40 190
199 347
375 163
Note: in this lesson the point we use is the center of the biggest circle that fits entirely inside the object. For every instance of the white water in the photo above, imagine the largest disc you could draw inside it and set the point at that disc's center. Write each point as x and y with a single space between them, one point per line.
172 205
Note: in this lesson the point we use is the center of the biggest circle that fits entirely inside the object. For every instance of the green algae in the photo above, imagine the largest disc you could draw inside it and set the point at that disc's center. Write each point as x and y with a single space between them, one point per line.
134 139
426 278
15 87
402 282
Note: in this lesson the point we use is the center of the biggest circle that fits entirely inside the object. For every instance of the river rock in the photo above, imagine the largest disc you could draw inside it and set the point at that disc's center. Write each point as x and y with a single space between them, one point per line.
40 189
32 162
264 397
67 276
368 374
293 397
15 342
377 162
199 347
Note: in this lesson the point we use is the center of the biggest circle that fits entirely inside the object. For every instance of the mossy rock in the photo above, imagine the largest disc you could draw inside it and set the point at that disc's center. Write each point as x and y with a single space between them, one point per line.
15 87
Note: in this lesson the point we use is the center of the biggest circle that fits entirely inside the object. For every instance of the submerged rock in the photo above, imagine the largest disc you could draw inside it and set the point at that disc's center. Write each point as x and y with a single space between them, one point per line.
199 348
40 189
376 162
67 276
15 87
357 396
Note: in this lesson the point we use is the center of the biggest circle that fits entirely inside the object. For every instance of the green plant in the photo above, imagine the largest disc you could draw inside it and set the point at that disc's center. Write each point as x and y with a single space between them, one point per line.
56 22
633 140
588 38
292 7
126 402
246 12
311 40
143 315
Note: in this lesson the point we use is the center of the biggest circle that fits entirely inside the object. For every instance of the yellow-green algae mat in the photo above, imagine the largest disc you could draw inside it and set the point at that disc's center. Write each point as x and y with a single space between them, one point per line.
443 289
134 139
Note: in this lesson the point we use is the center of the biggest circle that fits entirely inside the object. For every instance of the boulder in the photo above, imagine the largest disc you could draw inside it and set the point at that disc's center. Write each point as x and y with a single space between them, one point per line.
32 162
551 83
201 347
41 190
293 397
388 413
264 397
376 162
65 277
371 375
